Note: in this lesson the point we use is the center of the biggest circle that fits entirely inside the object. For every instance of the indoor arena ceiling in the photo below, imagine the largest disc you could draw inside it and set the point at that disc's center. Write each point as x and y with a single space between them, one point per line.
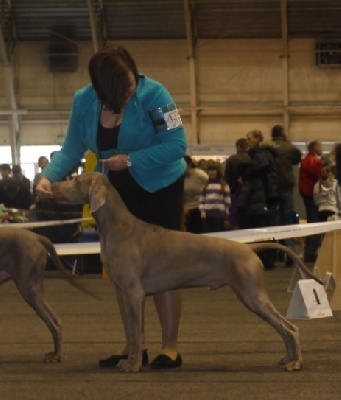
79 20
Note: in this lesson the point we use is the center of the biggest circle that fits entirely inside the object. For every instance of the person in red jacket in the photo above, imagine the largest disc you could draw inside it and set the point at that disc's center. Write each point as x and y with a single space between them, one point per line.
310 172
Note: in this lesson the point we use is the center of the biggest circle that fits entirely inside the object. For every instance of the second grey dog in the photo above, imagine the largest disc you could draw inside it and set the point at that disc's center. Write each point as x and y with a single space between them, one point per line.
144 259
24 255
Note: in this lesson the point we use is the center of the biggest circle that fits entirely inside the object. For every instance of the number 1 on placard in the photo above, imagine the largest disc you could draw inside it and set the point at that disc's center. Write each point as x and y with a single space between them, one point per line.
316 297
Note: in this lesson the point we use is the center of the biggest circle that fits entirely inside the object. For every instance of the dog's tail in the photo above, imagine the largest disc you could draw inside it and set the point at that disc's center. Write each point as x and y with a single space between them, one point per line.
48 245
256 247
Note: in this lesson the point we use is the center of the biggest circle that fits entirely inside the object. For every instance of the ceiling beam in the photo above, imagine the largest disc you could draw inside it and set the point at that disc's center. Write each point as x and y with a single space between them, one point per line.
188 8
93 25
13 118
285 65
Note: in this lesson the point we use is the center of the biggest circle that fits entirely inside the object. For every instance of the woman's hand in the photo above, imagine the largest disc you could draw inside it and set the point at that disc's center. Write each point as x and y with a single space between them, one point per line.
43 189
118 162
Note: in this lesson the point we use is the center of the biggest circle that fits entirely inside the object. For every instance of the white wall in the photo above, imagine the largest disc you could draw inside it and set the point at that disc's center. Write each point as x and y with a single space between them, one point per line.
240 82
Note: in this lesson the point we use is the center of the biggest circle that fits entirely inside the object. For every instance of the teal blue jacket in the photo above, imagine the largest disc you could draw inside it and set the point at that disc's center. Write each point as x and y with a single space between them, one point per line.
157 157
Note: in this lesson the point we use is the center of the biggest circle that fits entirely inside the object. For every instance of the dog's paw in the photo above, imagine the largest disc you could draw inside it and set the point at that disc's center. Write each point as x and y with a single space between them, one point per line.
295 365
52 358
129 366
291 365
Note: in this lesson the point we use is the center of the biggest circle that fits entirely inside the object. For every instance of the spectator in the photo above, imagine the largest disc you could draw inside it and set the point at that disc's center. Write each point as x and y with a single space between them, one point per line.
42 163
288 156
19 177
195 179
262 165
325 194
309 174
263 155
5 171
230 175
214 201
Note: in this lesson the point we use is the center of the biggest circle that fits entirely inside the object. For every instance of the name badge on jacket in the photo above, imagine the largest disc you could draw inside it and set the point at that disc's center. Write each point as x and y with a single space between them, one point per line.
165 118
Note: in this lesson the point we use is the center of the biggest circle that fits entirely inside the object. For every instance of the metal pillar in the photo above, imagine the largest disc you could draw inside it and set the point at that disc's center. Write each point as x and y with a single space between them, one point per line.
13 119
285 67
192 72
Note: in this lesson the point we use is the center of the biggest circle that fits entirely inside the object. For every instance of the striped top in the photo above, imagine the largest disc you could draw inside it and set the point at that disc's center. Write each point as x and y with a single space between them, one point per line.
215 202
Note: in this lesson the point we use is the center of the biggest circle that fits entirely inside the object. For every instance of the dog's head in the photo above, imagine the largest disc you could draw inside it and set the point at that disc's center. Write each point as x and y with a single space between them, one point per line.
88 187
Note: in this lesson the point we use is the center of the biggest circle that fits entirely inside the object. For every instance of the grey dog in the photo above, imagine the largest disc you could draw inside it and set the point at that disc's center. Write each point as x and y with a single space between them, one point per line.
144 259
24 255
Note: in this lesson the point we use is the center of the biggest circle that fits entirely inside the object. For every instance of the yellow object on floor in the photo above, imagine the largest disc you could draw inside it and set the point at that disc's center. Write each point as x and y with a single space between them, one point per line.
105 275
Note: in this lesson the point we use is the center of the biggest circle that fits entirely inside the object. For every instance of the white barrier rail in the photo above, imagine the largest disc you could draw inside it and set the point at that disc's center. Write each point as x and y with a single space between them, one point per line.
278 232
42 224
242 235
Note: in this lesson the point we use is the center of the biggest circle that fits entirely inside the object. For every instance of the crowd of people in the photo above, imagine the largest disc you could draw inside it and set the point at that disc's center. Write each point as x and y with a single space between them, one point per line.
18 196
254 188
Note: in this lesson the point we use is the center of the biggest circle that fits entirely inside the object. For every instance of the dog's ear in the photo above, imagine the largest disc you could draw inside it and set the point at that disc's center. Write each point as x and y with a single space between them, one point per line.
97 193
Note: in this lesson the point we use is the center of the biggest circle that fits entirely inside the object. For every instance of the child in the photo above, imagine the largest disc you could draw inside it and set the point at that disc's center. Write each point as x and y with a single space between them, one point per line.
325 194
215 200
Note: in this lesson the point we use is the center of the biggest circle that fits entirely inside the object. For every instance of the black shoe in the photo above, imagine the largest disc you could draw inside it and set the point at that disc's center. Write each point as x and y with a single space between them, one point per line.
164 362
112 361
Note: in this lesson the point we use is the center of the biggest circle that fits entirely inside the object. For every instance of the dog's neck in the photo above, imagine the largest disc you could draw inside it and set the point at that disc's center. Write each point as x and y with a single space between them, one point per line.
113 213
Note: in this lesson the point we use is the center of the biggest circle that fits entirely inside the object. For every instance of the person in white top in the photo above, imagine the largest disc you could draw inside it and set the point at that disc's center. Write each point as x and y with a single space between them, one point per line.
195 179
325 194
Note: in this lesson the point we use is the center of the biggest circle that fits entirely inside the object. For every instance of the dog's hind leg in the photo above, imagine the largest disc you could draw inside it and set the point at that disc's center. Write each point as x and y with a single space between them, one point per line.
289 332
33 294
251 291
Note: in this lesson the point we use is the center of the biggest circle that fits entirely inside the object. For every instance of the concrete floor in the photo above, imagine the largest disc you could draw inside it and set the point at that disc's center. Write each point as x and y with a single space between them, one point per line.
228 353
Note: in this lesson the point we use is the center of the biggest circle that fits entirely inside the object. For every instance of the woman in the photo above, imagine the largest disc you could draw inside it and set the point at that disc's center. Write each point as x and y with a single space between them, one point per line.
132 125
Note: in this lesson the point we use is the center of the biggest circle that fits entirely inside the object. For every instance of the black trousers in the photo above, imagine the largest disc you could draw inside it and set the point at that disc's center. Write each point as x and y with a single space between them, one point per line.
163 207
312 242
193 222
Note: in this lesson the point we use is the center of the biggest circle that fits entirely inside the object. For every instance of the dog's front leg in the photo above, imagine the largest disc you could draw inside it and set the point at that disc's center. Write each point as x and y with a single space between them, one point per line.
133 301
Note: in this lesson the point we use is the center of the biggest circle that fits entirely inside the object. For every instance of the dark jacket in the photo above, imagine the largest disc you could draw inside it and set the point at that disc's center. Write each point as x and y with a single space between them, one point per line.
231 175
251 196
288 156
263 166
252 200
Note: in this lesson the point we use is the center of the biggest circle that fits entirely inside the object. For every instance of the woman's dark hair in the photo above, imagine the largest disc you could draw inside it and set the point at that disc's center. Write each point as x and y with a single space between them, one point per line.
109 73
